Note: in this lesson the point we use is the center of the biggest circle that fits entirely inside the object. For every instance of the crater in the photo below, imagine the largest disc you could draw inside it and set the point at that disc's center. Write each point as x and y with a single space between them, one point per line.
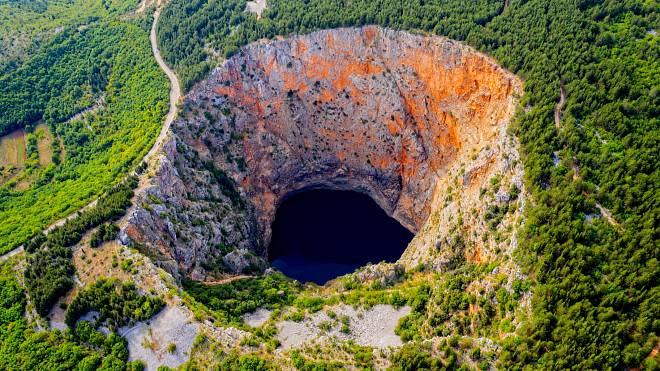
417 123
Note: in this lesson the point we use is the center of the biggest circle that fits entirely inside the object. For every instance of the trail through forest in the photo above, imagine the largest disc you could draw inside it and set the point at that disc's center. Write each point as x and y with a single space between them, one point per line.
576 170
560 105
175 90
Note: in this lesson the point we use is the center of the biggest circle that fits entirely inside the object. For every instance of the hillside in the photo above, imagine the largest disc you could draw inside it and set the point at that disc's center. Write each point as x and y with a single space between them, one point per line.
103 67
592 179
516 139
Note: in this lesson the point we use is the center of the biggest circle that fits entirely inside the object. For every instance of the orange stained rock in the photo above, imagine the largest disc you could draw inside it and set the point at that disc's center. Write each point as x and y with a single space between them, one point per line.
326 96
370 33
300 48
395 105
392 127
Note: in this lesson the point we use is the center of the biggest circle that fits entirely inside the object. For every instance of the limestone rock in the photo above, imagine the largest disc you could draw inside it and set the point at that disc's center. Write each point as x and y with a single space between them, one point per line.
408 119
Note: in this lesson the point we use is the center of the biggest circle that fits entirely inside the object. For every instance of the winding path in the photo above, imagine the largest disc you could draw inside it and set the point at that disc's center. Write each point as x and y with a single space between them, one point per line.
560 105
226 280
175 89
175 95
608 215
576 170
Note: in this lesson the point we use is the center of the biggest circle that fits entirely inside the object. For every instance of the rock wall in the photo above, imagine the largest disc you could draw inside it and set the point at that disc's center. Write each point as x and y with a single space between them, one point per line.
418 123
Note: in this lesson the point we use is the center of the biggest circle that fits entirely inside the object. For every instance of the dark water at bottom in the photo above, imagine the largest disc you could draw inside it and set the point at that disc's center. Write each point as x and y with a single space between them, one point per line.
322 234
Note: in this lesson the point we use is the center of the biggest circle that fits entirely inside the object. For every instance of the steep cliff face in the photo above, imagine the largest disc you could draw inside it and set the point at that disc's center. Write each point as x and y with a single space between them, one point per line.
416 122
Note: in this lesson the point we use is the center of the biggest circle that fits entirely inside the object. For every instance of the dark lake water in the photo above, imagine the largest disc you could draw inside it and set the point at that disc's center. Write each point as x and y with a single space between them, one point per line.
322 234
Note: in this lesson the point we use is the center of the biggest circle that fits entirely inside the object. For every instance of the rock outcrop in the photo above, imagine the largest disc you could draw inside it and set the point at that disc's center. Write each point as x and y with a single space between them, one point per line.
418 123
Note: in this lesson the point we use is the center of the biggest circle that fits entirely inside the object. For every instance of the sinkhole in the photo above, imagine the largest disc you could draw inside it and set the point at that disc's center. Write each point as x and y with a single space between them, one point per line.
320 234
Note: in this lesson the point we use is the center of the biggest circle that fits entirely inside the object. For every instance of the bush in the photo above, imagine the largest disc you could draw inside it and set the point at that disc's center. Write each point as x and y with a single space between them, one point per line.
247 362
105 232
230 301
118 304
412 357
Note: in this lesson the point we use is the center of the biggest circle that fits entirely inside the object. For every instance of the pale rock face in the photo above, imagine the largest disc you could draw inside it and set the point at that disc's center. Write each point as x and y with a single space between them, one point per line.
407 119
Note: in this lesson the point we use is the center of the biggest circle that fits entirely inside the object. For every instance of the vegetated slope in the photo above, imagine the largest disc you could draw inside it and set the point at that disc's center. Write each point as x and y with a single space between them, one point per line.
596 286
26 25
193 30
111 58
24 348
65 71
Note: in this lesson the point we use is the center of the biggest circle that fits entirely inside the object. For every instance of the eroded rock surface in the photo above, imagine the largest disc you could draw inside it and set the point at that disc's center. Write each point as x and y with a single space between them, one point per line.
407 119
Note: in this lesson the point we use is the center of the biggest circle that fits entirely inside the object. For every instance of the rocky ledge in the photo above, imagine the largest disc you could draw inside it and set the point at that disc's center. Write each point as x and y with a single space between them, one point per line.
417 122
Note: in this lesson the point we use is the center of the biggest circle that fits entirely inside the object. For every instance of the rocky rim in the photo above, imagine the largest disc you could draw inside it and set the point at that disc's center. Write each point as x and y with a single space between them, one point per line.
417 122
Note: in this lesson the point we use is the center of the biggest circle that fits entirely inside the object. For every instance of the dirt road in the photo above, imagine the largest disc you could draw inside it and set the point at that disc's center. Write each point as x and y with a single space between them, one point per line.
175 89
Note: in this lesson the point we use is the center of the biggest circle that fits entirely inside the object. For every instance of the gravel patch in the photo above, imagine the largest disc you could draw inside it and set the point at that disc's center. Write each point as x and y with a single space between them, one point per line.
90 316
372 327
257 6
257 318
294 334
376 326
149 341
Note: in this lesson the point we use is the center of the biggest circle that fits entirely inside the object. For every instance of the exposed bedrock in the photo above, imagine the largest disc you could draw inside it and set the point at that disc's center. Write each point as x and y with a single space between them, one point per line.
398 116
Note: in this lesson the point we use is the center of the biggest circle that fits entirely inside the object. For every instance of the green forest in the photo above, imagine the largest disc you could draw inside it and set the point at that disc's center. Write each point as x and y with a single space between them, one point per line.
232 300
24 348
25 25
49 272
118 304
107 60
596 302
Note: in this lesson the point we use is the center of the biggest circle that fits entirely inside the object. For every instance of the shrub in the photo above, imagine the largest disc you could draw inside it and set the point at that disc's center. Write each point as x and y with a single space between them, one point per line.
118 304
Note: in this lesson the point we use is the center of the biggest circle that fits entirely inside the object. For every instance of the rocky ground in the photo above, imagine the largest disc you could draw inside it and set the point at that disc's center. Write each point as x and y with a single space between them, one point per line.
256 7
257 318
165 341
373 327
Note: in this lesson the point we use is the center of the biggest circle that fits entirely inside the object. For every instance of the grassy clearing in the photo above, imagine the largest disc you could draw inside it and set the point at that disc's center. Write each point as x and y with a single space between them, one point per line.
19 161
44 144
12 149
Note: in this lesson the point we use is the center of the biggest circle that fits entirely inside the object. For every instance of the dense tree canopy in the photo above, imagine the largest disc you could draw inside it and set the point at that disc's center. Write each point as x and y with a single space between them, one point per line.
118 304
596 302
